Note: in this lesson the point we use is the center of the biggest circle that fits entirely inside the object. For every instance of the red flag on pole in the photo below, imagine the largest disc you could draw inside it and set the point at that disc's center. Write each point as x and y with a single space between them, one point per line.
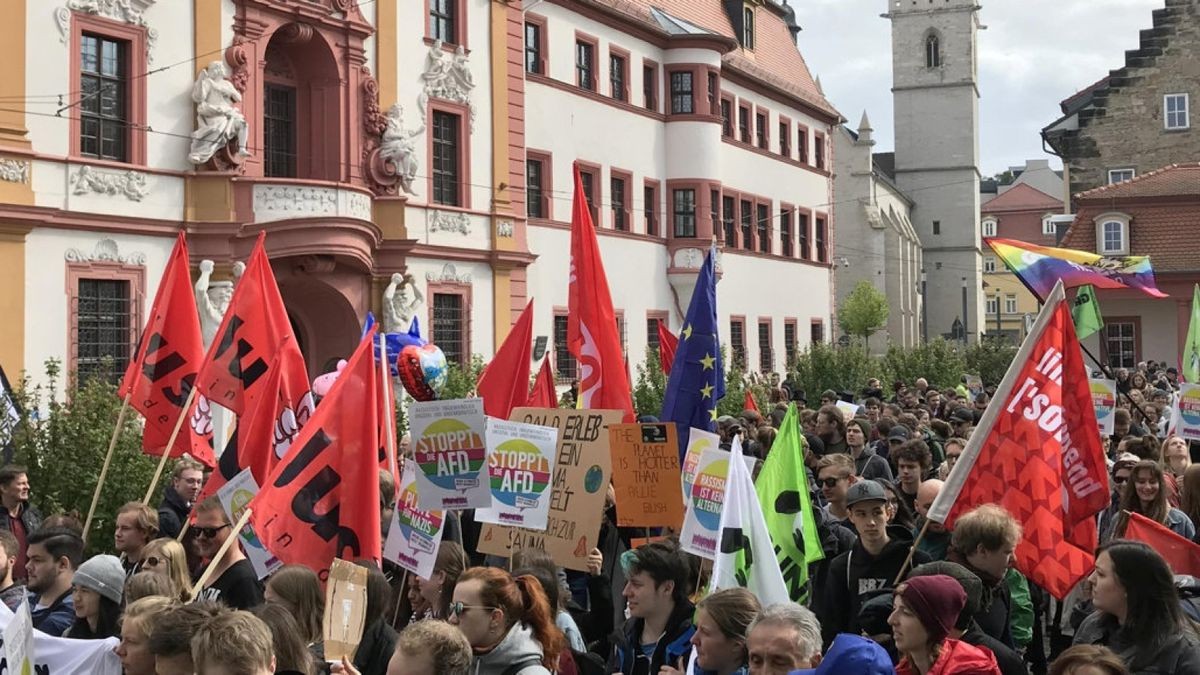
254 327
1037 453
321 501
668 343
591 322
749 403
163 370
504 384
544 394
1180 553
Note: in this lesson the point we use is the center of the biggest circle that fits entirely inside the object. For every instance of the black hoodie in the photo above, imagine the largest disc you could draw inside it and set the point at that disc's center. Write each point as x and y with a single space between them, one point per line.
857 575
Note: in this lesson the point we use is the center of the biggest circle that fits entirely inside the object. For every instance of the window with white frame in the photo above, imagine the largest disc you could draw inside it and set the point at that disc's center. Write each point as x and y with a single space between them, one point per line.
989 227
1120 175
1048 226
1010 304
989 263
1112 234
993 304
1175 112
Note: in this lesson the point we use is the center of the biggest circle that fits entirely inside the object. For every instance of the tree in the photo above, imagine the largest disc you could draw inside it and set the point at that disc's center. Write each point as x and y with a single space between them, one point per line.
864 312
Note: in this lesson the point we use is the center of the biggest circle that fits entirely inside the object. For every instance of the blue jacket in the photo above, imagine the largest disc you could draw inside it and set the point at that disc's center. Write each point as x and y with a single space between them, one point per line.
676 643
55 619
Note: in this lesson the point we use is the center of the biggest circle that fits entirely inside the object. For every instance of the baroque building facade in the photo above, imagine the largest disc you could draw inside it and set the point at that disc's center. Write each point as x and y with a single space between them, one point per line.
429 142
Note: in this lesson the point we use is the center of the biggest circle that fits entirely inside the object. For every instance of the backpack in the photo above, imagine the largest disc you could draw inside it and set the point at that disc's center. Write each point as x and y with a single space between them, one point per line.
588 663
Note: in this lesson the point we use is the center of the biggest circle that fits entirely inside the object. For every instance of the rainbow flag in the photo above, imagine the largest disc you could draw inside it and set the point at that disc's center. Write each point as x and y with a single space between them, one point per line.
1039 267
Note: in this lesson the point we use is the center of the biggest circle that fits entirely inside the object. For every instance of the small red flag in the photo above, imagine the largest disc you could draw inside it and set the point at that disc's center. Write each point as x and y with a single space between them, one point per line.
668 344
504 384
591 322
749 403
1037 453
1180 553
163 372
544 394
254 327
321 500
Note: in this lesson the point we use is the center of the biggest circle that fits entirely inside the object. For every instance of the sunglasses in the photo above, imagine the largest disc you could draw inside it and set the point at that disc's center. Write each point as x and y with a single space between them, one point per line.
209 532
457 608
1120 480
828 482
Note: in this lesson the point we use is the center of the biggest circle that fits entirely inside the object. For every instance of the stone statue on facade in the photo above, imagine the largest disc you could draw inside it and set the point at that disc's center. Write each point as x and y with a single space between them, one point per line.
401 299
397 147
212 298
218 121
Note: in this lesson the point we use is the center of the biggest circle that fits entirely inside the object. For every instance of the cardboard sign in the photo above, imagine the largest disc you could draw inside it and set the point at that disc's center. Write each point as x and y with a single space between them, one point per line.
18 641
699 440
235 496
345 610
702 523
581 474
1104 399
849 410
415 535
645 460
450 453
1187 412
520 466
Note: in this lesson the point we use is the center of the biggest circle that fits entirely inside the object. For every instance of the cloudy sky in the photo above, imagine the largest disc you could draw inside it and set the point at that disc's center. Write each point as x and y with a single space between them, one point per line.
1033 54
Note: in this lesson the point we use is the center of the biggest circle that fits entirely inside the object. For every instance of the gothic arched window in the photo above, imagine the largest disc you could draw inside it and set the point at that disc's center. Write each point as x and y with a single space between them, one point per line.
933 51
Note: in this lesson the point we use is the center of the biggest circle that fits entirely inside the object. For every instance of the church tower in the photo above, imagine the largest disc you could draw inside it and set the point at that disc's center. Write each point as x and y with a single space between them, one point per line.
935 94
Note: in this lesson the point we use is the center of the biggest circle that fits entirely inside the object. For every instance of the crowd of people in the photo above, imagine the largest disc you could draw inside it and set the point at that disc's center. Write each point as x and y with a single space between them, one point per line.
954 604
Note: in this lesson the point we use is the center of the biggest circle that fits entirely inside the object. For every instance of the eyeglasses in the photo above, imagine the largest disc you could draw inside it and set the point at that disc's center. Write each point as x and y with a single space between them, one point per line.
828 482
209 532
457 608
1120 480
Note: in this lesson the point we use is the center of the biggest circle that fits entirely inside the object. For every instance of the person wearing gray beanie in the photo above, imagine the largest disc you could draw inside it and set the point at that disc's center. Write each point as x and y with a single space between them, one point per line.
98 586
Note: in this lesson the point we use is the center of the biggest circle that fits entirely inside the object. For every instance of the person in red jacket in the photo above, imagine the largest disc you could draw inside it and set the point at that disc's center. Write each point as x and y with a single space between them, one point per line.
926 609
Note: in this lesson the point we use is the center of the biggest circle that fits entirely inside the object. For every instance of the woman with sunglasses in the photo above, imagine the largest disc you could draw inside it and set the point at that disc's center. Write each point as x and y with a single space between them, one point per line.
508 622
166 557
1145 493
437 589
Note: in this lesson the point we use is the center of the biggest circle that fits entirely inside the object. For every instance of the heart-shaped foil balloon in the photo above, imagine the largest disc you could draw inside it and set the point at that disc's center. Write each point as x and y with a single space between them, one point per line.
422 370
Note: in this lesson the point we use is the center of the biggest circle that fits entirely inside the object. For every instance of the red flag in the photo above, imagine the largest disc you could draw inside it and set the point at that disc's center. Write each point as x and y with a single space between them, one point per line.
668 343
1180 553
749 403
163 371
544 394
591 322
254 327
504 384
265 433
1037 453
321 501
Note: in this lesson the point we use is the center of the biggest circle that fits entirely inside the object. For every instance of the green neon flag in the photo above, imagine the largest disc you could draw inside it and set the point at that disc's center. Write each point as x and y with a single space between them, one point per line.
1086 312
1190 359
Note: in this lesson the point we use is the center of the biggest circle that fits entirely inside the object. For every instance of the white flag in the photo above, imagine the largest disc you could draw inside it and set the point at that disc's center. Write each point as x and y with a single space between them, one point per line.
65 656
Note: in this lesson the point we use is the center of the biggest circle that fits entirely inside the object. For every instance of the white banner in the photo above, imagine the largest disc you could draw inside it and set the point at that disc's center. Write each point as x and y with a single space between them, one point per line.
235 496
18 642
520 469
64 656
415 535
450 453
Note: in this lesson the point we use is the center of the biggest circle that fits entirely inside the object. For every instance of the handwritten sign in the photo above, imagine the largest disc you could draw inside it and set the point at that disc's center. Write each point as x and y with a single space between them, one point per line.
1104 400
520 466
415 535
581 473
451 455
645 466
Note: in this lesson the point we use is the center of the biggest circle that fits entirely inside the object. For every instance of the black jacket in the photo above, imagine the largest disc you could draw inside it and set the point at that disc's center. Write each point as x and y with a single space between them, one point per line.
870 465
172 513
30 517
673 645
856 575
1179 654
1009 660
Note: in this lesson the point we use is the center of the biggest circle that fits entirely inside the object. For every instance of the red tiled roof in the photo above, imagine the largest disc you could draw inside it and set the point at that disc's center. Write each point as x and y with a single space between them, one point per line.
775 60
1173 180
1021 197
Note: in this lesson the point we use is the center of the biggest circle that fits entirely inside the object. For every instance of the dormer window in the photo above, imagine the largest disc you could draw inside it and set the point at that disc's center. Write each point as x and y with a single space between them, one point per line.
1112 234
748 27
1048 225
933 51
989 227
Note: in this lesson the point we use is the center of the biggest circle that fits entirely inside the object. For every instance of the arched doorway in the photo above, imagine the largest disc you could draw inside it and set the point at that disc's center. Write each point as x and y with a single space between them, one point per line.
327 327
301 106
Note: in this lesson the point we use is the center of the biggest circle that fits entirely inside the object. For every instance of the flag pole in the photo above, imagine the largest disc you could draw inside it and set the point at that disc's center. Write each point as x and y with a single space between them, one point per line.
389 409
403 590
112 446
212 564
183 415
911 551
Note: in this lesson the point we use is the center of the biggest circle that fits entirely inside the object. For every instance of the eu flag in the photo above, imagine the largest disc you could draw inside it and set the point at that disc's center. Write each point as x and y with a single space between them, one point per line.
697 379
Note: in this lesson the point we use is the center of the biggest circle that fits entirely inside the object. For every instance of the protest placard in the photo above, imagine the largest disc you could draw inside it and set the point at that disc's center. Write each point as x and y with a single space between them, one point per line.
1187 412
450 453
699 440
974 385
581 474
1104 400
703 519
345 610
520 466
645 463
849 410
235 496
414 535
18 641
55 655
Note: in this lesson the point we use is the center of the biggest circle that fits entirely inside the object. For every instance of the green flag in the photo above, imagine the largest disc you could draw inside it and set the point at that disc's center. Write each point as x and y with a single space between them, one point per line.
1190 359
1086 312
782 489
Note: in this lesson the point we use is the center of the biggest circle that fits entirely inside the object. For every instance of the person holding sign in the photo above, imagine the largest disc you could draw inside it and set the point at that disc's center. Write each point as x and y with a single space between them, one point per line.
508 622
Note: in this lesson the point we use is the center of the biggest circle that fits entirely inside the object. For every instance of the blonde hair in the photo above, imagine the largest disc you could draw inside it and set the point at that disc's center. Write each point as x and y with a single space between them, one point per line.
147 518
237 641
140 611
989 526
448 649
185 464
173 565
733 610
147 584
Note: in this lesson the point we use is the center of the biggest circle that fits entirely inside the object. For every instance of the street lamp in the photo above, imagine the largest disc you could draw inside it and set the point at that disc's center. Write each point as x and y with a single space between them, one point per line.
966 324
924 309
